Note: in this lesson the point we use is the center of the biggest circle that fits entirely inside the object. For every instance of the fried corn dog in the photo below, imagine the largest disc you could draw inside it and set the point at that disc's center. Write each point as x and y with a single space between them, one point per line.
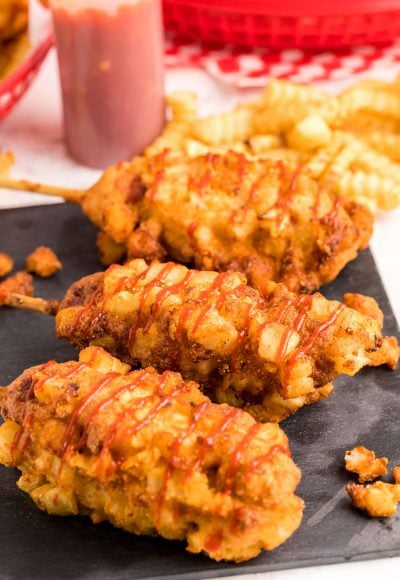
151 454
270 355
267 219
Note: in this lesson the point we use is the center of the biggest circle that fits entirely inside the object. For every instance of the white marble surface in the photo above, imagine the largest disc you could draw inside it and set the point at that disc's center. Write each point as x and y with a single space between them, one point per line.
34 132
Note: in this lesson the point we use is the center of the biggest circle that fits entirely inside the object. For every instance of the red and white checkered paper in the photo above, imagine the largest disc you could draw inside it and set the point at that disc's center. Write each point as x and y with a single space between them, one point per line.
246 68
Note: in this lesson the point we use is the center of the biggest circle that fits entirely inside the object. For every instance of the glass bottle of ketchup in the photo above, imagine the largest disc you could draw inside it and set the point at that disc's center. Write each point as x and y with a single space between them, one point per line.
110 55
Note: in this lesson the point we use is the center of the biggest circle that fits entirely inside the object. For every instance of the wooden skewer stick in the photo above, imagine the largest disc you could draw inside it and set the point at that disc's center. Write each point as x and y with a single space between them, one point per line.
15 300
71 195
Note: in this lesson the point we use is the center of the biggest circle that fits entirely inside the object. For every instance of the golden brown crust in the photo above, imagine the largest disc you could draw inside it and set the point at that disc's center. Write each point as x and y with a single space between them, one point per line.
364 304
363 461
13 18
151 454
270 355
20 283
43 262
379 499
267 219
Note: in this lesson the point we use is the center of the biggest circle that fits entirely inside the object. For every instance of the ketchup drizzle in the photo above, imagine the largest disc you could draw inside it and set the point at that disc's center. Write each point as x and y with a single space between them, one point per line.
241 338
107 401
174 455
304 303
104 381
202 299
274 450
211 439
165 293
21 438
163 273
213 541
311 341
235 459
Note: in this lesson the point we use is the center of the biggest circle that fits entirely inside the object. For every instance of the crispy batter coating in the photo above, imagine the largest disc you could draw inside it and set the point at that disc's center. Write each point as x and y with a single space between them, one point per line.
43 262
13 18
363 461
364 304
267 219
151 454
109 251
270 355
6 264
396 474
379 499
21 283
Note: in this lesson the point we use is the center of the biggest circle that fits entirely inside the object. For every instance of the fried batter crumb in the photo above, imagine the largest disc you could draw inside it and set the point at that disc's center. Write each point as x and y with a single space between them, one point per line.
20 283
378 500
43 262
6 264
363 461
396 474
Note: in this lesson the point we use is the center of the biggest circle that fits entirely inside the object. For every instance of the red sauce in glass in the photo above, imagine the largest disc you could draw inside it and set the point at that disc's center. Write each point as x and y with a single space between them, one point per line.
111 67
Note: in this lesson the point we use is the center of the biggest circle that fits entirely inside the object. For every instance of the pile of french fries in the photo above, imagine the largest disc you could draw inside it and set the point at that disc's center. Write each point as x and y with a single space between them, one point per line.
14 42
349 142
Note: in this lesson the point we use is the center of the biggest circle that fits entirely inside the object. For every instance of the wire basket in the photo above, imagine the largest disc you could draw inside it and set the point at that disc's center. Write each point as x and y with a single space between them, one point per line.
309 24
16 84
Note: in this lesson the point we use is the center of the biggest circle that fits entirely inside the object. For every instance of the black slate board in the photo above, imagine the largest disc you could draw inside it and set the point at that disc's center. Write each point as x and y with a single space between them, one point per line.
363 410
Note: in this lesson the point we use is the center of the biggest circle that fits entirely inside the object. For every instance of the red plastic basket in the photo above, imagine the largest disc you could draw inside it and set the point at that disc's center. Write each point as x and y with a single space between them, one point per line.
294 23
15 85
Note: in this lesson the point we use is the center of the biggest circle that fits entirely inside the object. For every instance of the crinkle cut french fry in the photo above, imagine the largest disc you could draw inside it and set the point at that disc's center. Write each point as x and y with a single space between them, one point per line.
361 186
232 126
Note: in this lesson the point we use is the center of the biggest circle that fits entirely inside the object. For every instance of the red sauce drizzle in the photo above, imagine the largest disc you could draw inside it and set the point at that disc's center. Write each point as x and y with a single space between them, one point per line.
274 450
104 381
143 297
78 317
173 459
81 365
280 314
315 208
204 297
311 341
203 182
152 190
191 231
213 541
165 293
236 457
107 401
247 204
112 432
241 338
21 438
304 303
285 199
211 439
